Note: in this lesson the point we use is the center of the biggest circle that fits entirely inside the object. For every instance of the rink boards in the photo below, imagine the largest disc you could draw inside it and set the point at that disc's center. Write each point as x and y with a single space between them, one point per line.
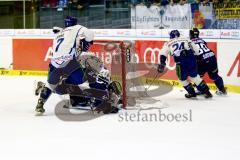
29 55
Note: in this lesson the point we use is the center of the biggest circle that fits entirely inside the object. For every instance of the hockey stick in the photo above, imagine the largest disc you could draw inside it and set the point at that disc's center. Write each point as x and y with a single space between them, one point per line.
146 89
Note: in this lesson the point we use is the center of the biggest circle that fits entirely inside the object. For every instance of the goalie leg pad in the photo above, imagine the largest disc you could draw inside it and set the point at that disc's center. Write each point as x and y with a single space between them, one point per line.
97 85
115 87
79 100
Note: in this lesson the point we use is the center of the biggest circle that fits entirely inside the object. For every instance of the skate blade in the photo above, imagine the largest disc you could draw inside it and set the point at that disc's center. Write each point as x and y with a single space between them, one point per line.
208 97
199 94
221 94
39 114
192 98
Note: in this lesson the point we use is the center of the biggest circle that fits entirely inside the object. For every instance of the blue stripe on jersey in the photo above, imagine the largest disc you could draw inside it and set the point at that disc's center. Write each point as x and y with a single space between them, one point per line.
74 45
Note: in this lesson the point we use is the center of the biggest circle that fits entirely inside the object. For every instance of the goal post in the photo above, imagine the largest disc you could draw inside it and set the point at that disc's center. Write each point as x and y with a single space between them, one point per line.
124 50
113 55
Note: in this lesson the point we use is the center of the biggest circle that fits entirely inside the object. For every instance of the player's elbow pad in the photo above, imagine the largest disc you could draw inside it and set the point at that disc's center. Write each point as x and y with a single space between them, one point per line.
89 35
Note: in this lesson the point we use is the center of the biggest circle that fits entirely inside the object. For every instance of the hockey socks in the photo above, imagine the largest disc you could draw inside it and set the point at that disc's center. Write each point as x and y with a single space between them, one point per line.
203 88
45 93
191 92
220 85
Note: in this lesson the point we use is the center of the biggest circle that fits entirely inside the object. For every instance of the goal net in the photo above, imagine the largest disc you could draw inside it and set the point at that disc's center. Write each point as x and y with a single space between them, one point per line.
140 81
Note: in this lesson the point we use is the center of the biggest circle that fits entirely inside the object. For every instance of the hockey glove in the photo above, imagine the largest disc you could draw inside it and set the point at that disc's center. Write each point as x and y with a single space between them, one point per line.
85 45
57 30
161 67
162 64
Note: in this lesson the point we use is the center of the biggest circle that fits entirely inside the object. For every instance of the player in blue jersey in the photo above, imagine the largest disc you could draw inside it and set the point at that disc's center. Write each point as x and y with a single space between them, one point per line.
67 69
207 62
183 51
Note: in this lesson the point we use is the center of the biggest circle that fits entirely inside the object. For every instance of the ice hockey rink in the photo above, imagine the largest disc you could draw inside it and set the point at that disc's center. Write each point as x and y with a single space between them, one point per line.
213 133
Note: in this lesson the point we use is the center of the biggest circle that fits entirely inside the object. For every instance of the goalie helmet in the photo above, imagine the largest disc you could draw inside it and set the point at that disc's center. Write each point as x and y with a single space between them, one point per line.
174 34
70 21
194 33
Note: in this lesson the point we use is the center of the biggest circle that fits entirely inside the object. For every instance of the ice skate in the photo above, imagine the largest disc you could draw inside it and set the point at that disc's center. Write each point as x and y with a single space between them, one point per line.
221 92
39 108
208 94
190 95
39 87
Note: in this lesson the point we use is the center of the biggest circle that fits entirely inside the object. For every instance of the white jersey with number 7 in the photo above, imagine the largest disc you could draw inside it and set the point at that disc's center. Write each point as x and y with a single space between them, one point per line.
66 42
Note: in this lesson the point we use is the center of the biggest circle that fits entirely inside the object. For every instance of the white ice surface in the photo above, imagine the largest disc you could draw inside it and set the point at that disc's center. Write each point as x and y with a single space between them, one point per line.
214 133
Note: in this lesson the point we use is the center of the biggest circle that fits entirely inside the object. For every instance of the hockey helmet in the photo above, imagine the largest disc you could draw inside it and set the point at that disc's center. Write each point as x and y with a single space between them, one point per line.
70 21
174 34
194 33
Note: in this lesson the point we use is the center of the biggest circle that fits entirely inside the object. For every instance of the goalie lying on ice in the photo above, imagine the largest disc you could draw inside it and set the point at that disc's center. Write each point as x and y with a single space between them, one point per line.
71 66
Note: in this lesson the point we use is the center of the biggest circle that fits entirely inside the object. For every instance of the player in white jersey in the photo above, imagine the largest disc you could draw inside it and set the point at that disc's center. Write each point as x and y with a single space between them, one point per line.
68 40
65 71
183 51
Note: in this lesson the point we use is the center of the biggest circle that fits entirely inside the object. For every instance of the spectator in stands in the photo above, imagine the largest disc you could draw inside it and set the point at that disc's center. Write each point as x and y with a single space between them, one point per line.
49 3
136 2
173 2
206 2
192 1
182 2
79 4
148 3
164 2
62 4
157 2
